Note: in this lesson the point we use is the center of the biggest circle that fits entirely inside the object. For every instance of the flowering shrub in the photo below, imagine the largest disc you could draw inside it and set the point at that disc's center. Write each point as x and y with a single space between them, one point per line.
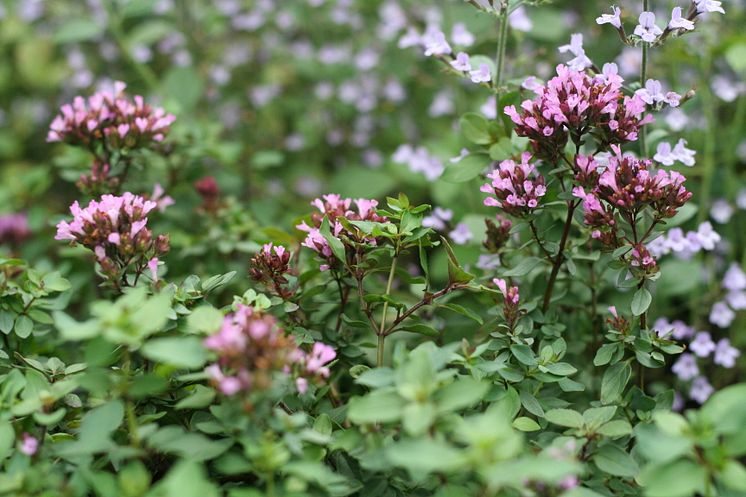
368 259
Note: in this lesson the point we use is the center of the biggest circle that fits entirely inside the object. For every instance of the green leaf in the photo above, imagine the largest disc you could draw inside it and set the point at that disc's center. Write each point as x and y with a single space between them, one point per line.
376 407
615 461
73 330
564 417
615 429
523 267
205 319
733 475
23 326
182 352
77 30
201 397
524 354
456 274
641 301
7 437
467 168
561 369
425 456
680 478
604 354
420 329
596 416
186 479
460 394
614 381
525 424
338 248
475 128
7 319
726 409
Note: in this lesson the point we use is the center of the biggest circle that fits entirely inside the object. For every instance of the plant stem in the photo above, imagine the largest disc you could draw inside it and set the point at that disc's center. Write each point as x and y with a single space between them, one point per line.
502 41
560 256
708 152
382 328
129 405
643 78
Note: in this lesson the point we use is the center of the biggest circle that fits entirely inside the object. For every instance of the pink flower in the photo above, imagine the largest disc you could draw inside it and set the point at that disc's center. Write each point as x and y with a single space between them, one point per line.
316 361
153 268
516 187
29 445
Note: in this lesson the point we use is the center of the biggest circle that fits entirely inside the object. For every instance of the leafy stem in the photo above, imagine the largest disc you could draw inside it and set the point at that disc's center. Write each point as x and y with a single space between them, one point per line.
382 328
559 259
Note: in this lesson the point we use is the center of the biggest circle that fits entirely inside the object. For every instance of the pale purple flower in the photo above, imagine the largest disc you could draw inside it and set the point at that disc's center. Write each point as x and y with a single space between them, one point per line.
419 160
702 345
463 153
677 119
614 18
653 94
461 62
519 20
664 154
726 354
29 445
442 104
704 6
438 219
153 268
533 84
721 211
676 329
435 43
488 262
679 22
721 315
488 109
411 38
685 368
736 300
667 155
575 47
707 236
683 154
301 384
461 234
700 390
734 278
481 75
629 61
461 36
726 89
647 29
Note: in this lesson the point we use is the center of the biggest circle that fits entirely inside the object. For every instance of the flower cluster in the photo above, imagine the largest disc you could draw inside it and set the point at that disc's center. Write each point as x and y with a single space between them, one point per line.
335 209
511 302
517 187
419 160
252 349
271 266
115 229
573 104
723 312
685 245
110 117
14 228
498 233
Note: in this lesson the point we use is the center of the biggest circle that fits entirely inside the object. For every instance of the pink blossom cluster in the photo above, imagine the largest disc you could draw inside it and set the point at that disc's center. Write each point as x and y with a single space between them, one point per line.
335 208
14 228
517 187
252 350
115 229
110 117
511 301
573 104
271 266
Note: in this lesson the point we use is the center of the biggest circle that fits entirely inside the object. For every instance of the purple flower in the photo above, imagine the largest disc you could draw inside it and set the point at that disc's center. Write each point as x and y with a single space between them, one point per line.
461 36
29 445
726 89
678 22
667 155
704 6
481 75
533 84
438 219
726 354
653 94
647 29
734 278
721 211
461 62
707 236
736 300
685 368
442 104
721 315
519 20
435 43
461 234
700 390
614 18
409 39
702 345
575 47
488 109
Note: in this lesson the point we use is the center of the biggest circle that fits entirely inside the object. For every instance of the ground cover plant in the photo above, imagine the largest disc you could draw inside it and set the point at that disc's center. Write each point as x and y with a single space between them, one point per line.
376 248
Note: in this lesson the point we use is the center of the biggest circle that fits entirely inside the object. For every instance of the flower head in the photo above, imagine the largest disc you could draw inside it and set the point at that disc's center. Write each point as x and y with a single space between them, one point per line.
517 187
647 30
614 18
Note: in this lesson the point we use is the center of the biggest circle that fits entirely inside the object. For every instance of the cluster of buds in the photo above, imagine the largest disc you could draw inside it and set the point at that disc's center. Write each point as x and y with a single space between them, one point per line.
252 350
271 266
14 229
617 322
573 104
112 119
628 184
641 260
516 187
208 189
600 217
98 180
511 297
339 212
498 233
115 229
